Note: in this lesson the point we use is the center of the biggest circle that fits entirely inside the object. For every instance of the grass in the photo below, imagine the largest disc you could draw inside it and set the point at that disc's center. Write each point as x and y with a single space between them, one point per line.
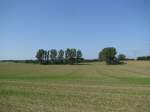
93 87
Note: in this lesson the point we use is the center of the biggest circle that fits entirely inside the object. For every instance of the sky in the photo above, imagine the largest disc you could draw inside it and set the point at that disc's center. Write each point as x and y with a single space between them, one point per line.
89 25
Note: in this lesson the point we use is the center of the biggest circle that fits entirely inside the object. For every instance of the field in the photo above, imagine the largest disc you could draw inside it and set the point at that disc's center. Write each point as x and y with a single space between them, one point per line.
93 87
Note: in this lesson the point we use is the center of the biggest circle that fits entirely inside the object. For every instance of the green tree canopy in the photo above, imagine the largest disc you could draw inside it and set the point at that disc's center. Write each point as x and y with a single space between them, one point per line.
60 54
71 55
53 55
40 55
79 55
121 57
108 55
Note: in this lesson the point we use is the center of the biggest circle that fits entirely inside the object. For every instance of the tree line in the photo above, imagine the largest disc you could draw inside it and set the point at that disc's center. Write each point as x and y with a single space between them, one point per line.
68 56
143 58
72 56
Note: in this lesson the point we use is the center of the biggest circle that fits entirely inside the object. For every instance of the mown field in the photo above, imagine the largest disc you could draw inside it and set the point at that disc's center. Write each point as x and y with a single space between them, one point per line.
93 87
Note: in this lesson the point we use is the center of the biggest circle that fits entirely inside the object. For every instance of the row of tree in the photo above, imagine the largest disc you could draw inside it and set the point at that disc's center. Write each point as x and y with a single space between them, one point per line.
69 56
144 58
109 56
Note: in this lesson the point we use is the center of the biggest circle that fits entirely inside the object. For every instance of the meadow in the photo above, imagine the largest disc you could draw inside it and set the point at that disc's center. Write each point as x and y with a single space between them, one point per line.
88 87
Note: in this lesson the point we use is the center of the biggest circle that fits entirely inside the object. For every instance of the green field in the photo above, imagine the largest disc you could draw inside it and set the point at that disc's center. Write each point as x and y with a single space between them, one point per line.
93 87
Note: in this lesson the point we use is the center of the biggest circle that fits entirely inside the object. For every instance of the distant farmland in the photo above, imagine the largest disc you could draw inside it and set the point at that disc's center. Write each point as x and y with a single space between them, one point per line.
92 87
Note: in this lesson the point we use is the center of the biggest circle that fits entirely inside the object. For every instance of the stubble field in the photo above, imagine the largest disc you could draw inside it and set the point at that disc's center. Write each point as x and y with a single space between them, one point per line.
93 87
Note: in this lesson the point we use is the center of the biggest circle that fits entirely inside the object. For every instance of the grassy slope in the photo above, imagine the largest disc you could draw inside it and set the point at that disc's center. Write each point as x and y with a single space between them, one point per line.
79 88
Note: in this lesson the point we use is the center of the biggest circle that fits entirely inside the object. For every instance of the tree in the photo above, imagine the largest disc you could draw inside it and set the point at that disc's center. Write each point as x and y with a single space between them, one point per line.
121 57
67 55
73 55
70 55
53 55
46 57
109 55
79 56
61 56
40 55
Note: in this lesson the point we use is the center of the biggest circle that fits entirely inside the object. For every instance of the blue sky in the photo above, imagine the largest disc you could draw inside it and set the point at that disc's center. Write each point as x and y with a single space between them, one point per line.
89 25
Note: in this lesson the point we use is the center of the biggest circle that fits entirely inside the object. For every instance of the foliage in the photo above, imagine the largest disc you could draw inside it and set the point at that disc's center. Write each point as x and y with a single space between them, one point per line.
61 56
144 58
121 57
108 55
72 55
79 55
40 55
53 55
57 57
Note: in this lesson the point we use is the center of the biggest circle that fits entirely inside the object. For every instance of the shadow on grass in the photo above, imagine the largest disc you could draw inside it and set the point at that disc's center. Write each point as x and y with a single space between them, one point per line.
81 64
68 64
